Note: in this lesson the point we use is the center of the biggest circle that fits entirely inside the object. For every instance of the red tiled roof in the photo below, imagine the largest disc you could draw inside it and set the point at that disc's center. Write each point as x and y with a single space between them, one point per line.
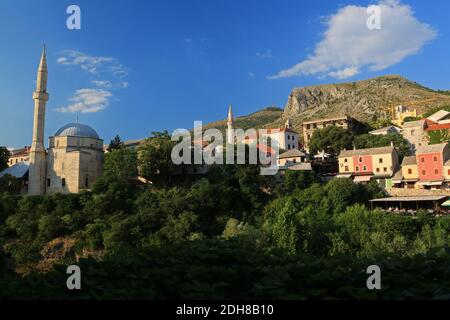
437 127
21 152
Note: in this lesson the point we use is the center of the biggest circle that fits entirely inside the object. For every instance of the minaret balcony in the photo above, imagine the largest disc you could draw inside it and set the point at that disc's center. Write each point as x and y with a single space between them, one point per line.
43 96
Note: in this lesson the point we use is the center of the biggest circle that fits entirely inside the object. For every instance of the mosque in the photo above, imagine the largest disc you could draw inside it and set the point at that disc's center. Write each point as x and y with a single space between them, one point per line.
74 159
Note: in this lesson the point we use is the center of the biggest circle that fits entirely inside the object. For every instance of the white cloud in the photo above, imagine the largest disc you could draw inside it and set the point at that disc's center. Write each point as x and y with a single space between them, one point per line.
108 74
349 45
264 55
94 65
106 84
87 101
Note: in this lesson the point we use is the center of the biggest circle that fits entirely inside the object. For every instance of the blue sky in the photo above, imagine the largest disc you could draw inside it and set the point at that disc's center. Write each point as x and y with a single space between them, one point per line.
138 66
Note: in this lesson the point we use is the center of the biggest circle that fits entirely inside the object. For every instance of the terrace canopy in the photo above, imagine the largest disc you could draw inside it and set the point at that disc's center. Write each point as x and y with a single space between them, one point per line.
415 203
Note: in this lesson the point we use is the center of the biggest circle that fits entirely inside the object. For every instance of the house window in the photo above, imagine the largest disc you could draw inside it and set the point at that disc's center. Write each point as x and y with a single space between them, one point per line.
424 172
422 160
435 159
436 171
360 159
381 160
308 126
63 182
410 171
378 170
365 168
347 169
357 169
385 170
86 182
346 160
49 182
289 147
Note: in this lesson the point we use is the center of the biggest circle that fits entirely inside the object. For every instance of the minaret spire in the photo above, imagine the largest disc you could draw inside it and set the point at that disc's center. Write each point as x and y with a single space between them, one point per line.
41 83
230 126
38 155
230 114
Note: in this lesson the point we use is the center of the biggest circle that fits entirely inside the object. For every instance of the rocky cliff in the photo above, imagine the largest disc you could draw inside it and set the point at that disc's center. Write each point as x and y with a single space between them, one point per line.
366 100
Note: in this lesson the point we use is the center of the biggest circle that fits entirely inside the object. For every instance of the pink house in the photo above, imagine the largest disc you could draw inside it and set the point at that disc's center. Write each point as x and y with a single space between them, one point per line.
363 164
430 162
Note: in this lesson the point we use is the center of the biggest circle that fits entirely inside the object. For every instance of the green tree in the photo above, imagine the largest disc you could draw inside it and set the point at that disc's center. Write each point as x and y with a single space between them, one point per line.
4 158
368 141
10 184
155 162
120 164
331 139
439 136
115 144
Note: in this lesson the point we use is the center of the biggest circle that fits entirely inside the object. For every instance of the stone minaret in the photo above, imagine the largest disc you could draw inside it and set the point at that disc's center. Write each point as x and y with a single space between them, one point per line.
230 125
38 156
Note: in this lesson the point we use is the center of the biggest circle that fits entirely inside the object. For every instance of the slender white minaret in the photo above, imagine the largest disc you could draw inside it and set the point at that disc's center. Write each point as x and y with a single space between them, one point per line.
38 156
230 126
288 124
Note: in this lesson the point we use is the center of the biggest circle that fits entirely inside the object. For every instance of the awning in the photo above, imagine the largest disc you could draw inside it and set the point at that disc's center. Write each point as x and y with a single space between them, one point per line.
430 183
362 179
346 176
446 203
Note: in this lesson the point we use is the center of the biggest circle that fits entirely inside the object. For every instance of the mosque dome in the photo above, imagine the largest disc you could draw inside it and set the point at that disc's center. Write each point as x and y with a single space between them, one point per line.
77 130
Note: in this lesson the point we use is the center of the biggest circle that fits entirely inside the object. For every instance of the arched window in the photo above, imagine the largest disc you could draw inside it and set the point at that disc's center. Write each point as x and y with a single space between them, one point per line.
409 171
360 159
436 171
422 160
435 159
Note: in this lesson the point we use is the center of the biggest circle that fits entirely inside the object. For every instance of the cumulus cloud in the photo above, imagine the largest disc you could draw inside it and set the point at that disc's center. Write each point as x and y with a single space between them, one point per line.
95 65
87 101
108 74
348 45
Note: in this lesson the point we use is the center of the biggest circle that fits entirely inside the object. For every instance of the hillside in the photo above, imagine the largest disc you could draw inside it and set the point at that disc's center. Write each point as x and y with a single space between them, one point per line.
260 119
367 101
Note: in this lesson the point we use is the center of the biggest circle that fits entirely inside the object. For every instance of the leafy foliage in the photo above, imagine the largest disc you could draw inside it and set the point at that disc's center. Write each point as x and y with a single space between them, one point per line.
371 141
331 139
230 233
4 158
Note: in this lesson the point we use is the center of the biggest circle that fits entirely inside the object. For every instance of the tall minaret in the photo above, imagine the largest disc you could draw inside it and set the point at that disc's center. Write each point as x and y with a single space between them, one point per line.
288 124
230 125
38 156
